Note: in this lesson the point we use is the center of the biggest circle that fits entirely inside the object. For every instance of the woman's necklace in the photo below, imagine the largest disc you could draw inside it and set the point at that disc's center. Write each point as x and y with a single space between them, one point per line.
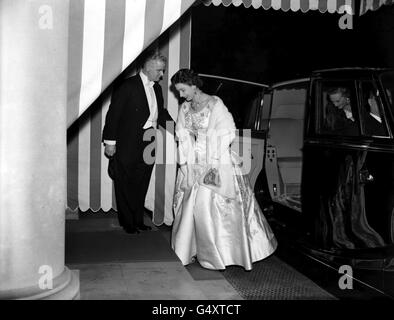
198 106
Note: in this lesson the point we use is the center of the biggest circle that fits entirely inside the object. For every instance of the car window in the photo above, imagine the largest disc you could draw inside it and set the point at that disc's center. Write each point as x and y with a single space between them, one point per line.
263 117
250 121
289 102
388 84
286 128
371 115
241 98
338 108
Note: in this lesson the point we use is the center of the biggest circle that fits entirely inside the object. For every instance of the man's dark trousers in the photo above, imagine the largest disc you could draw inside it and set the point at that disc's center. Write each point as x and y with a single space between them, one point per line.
131 185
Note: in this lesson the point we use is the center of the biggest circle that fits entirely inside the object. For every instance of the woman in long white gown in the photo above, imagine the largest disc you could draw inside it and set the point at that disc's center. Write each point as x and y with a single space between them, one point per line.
216 216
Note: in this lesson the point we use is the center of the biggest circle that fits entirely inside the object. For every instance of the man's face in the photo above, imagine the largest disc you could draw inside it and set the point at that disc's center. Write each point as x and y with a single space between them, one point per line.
338 100
154 70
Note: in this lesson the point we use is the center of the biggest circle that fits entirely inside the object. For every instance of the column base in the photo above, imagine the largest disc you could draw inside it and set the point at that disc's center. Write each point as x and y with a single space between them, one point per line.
65 287
69 292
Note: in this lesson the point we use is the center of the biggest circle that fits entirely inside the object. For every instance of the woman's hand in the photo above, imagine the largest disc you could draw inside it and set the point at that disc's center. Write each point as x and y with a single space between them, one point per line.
212 177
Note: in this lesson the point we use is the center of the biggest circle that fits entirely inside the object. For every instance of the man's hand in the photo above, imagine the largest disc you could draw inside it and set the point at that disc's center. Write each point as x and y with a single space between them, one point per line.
109 150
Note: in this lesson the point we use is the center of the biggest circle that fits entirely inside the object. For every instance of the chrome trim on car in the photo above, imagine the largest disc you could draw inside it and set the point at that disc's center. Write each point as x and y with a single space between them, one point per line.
232 79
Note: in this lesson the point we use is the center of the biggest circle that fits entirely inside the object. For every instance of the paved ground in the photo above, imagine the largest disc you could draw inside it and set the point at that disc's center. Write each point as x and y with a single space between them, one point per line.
116 265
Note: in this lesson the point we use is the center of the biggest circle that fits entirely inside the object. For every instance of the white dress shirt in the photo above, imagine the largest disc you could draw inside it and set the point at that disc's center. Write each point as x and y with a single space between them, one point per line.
377 118
152 102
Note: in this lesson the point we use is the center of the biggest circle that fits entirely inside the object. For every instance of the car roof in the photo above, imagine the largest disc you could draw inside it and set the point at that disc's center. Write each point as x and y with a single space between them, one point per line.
333 72
349 71
232 80
290 82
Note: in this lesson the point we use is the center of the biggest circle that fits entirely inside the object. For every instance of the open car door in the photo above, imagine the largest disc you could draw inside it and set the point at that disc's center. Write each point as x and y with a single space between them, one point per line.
245 100
283 162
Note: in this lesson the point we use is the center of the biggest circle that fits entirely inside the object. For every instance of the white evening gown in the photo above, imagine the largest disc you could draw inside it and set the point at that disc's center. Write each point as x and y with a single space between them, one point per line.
219 231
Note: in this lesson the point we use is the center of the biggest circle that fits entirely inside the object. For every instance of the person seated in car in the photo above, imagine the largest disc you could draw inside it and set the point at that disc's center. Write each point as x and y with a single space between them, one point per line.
339 116
373 124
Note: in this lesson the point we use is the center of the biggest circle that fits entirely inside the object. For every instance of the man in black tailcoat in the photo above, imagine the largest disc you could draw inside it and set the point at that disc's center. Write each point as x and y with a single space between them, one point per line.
137 108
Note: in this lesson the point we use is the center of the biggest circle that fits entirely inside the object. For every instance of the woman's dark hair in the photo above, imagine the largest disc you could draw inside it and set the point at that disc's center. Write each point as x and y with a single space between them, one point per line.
187 76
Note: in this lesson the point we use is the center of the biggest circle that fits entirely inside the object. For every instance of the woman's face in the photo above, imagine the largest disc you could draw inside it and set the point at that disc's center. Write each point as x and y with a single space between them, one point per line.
186 91
339 100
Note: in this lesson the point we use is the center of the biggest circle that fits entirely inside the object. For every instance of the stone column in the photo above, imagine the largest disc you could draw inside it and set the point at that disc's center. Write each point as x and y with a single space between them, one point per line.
33 93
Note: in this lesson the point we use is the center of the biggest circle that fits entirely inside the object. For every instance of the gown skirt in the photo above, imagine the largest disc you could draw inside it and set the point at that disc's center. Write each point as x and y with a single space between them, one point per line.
219 231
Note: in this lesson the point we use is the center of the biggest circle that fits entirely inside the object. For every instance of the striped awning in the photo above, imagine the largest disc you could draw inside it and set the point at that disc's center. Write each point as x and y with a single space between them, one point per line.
373 5
330 6
105 37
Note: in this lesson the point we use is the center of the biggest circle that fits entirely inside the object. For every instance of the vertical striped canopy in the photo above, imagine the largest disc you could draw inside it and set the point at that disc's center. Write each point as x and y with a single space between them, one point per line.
105 37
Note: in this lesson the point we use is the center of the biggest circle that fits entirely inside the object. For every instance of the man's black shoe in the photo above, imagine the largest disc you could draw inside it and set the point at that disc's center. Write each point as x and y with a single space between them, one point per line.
144 227
131 230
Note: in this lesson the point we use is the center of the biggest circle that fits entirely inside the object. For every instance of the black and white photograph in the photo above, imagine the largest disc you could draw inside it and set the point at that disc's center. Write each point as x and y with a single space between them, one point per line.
203 156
